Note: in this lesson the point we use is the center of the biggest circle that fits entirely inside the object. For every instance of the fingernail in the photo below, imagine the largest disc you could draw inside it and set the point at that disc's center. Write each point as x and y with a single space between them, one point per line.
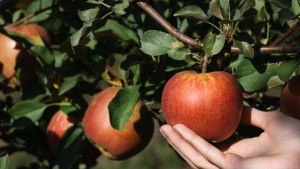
163 132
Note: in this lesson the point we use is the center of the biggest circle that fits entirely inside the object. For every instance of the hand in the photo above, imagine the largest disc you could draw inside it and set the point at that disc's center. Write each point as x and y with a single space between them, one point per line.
278 147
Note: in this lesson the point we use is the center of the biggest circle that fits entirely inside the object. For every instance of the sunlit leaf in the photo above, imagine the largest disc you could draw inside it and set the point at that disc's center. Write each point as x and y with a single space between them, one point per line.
250 78
213 44
30 109
286 69
88 14
155 43
192 11
120 7
4 162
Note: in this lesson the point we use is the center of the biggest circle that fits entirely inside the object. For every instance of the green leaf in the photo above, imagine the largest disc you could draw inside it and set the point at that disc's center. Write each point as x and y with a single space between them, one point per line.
39 5
286 69
70 147
245 48
246 5
136 71
275 81
295 8
237 15
115 66
82 33
68 83
155 43
192 11
284 16
89 14
213 44
119 30
179 53
225 8
4 162
122 105
215 9
220 9
44 53
250 78
30 109
285 4
119 9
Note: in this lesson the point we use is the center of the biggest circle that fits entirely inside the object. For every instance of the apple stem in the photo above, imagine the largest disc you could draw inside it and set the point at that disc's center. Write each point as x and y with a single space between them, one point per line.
204 64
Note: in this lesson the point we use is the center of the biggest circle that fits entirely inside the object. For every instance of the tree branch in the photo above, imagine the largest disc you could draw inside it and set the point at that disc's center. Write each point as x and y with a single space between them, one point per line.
287 34
166 25
288 48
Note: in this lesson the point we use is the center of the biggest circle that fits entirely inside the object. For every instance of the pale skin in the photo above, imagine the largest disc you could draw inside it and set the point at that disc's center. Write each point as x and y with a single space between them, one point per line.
277 147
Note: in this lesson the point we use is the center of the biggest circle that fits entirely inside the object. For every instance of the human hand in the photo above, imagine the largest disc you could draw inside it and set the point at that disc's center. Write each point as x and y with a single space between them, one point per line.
278 147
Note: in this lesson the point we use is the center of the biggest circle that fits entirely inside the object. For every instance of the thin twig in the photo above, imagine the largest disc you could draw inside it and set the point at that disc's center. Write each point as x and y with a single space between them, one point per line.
27 17
288 48
166 25
287 34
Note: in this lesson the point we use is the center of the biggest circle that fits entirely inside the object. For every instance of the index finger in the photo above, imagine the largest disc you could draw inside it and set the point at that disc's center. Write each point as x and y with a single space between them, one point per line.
257 118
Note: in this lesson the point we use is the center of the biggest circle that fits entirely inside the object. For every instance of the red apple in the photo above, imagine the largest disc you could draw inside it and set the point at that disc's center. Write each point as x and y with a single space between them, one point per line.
58 125
113 143
11 50
210 104
290 98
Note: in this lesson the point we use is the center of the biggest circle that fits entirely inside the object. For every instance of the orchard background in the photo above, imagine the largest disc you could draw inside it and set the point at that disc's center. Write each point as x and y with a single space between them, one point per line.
138 45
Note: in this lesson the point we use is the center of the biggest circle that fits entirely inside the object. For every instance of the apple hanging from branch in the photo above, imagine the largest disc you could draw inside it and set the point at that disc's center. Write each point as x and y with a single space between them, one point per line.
117 144
58 125
208 103
290 98
12 50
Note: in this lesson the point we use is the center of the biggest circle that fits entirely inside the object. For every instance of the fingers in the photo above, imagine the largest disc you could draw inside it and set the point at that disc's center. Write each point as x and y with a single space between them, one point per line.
208 151
255 117
185 149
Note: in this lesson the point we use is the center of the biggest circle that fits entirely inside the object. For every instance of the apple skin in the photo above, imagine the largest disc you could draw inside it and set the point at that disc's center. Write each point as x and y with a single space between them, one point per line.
58 125
290 98
117 144
11 50
210 104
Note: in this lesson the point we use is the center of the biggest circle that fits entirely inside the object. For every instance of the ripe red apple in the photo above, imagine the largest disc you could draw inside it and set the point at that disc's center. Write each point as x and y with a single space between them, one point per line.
210 104
11 50
58 125
290 98
113 143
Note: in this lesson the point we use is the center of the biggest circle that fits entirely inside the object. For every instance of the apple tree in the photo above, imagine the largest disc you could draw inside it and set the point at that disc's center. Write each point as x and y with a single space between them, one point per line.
78 48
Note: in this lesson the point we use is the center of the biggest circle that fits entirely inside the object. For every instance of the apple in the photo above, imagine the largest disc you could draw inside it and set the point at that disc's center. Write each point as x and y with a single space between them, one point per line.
58 125
11 50
117 144
210 103
290 98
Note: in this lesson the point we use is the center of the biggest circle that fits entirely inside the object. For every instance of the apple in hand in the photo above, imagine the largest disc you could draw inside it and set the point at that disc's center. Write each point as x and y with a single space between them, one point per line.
210 104
290 98
113 143
12 50
58 125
